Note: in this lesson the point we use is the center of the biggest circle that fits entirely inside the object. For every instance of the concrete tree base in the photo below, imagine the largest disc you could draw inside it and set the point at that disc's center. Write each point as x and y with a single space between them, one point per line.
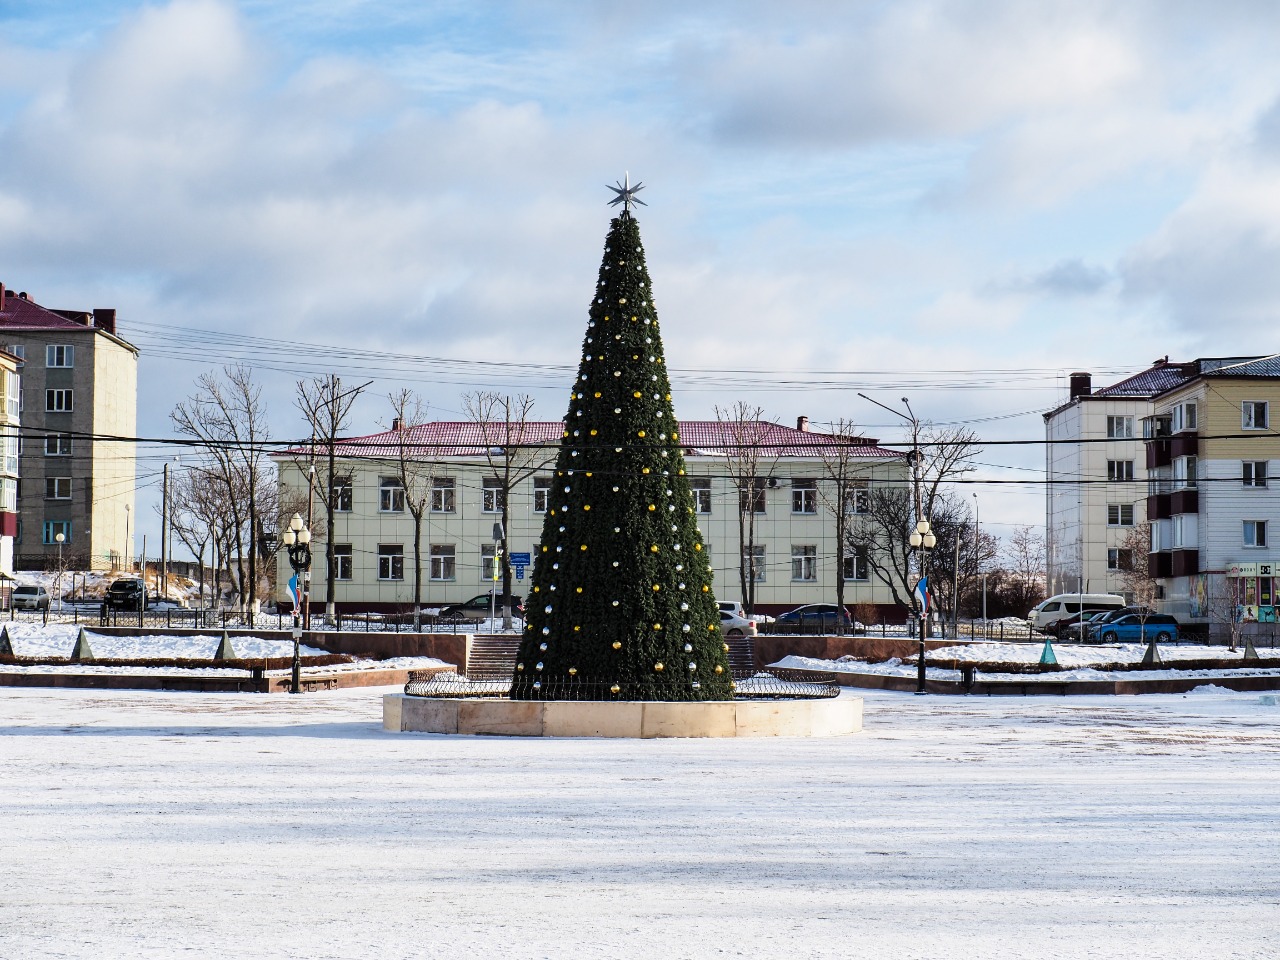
628 719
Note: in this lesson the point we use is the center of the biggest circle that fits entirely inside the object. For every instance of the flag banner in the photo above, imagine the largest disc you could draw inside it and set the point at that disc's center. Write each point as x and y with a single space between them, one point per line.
293 591
922 593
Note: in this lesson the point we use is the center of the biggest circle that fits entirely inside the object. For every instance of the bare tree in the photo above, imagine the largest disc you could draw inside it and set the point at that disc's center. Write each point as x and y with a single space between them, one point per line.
1024 558
513 453
1224 609
226 418
325 403
414 471
946 455
749 460
1139 580
844 473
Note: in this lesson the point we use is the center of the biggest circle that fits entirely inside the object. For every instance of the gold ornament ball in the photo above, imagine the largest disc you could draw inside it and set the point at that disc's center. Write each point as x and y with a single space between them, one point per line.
658 667
579 589
652 507
573 671
654 548
617 644
726 647
719 669
615 688
639 433
656 588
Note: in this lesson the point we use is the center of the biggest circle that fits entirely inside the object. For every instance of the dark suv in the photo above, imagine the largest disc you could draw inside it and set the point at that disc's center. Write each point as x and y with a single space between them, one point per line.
479 607
126 595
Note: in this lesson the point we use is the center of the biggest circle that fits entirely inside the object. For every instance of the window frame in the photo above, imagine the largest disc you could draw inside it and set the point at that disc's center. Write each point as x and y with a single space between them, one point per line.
390 562
751 493
1116 557
443 565
700 487
1249 473
62 443
444 494
343 558
1125 423
492 496
54 394
1256 526
760 559
342 493
804 563
542 494
390 493
804 496
1119 471
1120 509
57 488
59 351
856 558
50 530
1249 414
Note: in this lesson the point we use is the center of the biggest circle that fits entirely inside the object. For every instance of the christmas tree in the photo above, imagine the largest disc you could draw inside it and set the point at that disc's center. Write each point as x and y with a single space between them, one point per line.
621 605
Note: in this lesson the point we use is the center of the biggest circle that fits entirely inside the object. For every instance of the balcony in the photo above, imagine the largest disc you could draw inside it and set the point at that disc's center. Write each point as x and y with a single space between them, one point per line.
1184 445
1159 453
1160 507
1160 565
1185 563
1181 501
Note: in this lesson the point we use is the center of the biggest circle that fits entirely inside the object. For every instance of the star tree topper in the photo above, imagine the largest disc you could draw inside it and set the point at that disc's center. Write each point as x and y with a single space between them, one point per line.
626 194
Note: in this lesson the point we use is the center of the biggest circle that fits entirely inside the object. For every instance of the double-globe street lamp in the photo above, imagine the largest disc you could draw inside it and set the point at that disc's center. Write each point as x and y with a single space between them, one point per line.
297 541
922 540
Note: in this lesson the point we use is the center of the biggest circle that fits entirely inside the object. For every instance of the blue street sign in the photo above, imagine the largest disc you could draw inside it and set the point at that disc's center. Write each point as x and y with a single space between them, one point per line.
519 559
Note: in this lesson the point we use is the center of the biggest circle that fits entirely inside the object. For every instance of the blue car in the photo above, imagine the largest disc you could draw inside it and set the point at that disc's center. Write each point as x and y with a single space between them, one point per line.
1130 628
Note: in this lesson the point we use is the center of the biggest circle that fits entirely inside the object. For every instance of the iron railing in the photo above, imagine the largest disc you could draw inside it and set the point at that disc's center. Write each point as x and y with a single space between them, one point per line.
759 685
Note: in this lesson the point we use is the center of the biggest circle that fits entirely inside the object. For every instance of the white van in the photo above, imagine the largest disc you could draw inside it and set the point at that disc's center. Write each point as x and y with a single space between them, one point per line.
1048 612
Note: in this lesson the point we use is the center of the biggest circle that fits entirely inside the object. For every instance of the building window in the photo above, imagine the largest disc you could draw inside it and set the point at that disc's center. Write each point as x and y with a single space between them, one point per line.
1183 417
391 496
1255 533
1179 531
701 489
859 498
541 494
855 563
1119 558
492 495
1255 473
444 495
804 562
753 562
443 562
12 448
13 394
1119 428
342 558
390 561
59 401
751 496
57 445
1119 470
1120 514
54 527
1184 473
1253 415
341 491
804 495
488 553
59 355
19 350
57 488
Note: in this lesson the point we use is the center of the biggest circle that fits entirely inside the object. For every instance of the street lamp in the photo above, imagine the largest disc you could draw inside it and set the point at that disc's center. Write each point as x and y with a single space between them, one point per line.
297 541
60 538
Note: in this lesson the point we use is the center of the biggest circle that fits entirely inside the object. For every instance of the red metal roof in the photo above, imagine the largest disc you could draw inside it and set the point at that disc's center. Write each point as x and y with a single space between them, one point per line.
19 314
698 437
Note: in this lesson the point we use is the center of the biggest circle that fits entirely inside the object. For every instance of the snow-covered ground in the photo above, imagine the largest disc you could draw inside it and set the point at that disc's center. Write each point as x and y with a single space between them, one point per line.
1077 662
148 825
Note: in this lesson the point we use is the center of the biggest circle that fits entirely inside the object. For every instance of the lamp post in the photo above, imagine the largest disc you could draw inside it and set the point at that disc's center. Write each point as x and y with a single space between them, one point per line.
297 541
922 537
60 538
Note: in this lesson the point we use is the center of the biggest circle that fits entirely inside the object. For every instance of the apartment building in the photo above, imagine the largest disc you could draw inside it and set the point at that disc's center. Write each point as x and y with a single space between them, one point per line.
1213 457
79 387
1095 465
795 545
10 392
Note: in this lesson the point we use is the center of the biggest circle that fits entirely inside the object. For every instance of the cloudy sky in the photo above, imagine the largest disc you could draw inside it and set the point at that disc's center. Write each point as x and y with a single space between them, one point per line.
960 202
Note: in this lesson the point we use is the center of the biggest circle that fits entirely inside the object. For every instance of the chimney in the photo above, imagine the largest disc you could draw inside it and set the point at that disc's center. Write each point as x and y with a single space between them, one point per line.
104 319
23 295
802 424
1 297
1081 385
395 424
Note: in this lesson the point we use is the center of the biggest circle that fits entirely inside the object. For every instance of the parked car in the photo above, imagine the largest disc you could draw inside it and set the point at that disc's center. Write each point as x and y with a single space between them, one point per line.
1092 627
479 606
734 625
732 606
30 597
1158 626
817 615
1047 612
129 594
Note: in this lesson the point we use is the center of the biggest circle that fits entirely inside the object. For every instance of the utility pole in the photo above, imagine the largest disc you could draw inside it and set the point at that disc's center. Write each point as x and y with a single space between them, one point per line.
164 535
